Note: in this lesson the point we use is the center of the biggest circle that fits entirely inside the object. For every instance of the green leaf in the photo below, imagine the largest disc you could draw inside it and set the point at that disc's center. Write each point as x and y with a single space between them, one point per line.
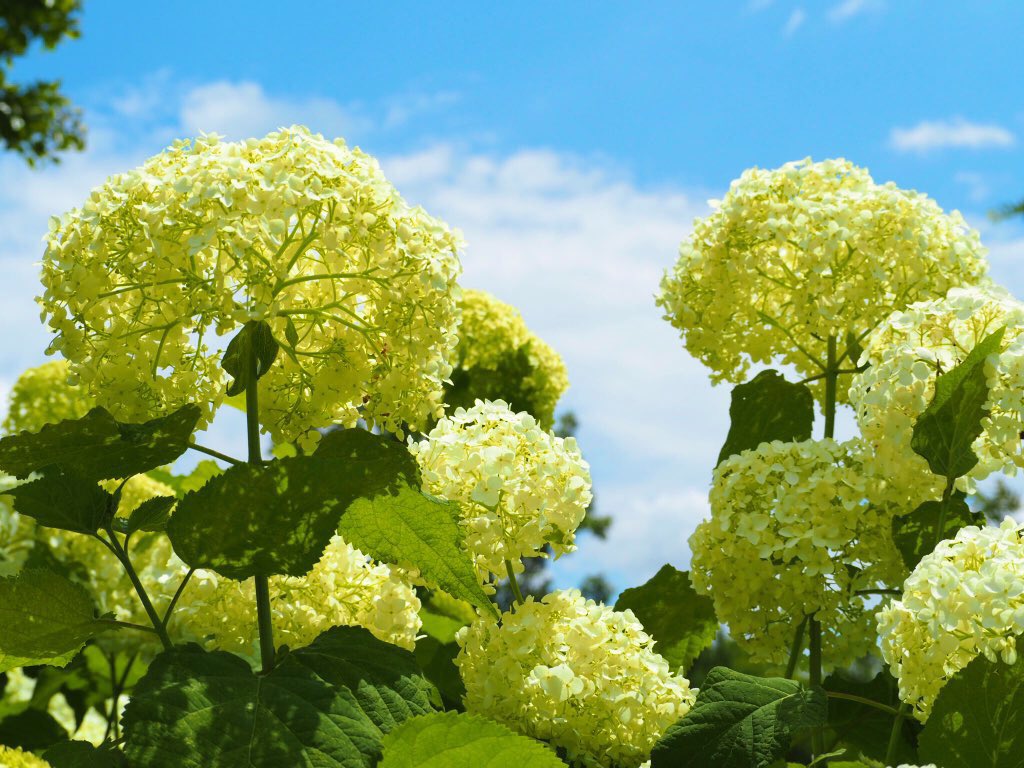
82 754
682 622
31 730
249 355
853 348
914 534
767 408
44 619
865 730
437 660
944 432
978 718
61 498
458 740
740 721
277 518
325 705
408 526
151 515
98 447
193 481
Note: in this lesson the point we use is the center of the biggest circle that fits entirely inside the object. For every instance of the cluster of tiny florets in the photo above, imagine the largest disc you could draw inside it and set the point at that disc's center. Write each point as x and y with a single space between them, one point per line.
905 356
575 673
11 757
792 534
808 251
492 336
43 395
146 281
963 599
519 486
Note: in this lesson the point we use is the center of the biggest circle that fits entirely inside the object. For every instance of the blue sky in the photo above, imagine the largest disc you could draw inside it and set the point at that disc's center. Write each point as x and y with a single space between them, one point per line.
573 143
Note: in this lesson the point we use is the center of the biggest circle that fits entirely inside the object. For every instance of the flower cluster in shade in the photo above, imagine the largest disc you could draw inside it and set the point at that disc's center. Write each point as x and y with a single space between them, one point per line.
575 673
145 282
498 357
906 355
792 535
12 757
808 251
963 599
519 487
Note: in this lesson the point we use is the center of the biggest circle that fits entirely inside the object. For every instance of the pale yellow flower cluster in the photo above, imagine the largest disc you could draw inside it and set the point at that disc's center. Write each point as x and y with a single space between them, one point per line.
964 599
42 395
145 283
519 486
491 333
10 757
344 588
808 251
575 673
792 534
907 353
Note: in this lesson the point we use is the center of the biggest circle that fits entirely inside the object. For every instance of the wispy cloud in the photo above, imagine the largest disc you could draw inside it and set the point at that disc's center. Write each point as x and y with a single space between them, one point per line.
957 132
977 188
847 9
794 22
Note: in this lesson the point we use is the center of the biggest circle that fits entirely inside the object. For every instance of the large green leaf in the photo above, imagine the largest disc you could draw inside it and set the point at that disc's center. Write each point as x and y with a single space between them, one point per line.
682 622
915 534
767 408
740 721
460 740
277 518
944 432
44 619
82 754
62 498
31 730
249 355
978 718
98 447
864 730
324 706
410 527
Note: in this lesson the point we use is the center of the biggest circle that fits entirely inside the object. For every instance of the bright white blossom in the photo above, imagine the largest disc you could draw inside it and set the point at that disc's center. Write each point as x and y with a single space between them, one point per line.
963 599
492 338
575 673
792 534
808 251
519 487
146 281
905 356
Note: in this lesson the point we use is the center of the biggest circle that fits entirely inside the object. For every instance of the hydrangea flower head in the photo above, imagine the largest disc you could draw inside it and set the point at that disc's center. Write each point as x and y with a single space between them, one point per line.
905 356
146 281
963 599
43 395
575 673
791 534
11 757
519 486
808 251
498 357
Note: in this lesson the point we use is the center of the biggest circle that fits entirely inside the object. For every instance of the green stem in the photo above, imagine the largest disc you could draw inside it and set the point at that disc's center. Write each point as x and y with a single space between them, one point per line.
264 617
513 583
894 735
796 649
947 494
831 375
177 594
122 555
861 700
126 625
215 454
817 735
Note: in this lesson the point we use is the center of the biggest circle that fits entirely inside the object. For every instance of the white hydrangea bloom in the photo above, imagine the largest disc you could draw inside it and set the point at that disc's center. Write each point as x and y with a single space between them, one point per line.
964 599
797 529
575 673
519 486
905 355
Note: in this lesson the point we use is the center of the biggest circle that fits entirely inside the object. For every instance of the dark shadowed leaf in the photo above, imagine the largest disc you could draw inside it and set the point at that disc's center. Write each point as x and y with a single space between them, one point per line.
151 515
862 729
31 730
82 754
682 622
326 705
249 355
61 498
98 447
740 721
767 408
914 534
943 434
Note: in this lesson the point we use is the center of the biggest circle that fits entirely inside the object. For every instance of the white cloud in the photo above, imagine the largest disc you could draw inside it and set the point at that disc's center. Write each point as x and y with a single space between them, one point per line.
954 133
847 9
795 21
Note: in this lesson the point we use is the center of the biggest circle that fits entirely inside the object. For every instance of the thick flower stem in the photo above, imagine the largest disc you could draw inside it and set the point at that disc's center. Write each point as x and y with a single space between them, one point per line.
513 583
947 494
831 375
122 555
264 617
894 735
817 735
796 649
